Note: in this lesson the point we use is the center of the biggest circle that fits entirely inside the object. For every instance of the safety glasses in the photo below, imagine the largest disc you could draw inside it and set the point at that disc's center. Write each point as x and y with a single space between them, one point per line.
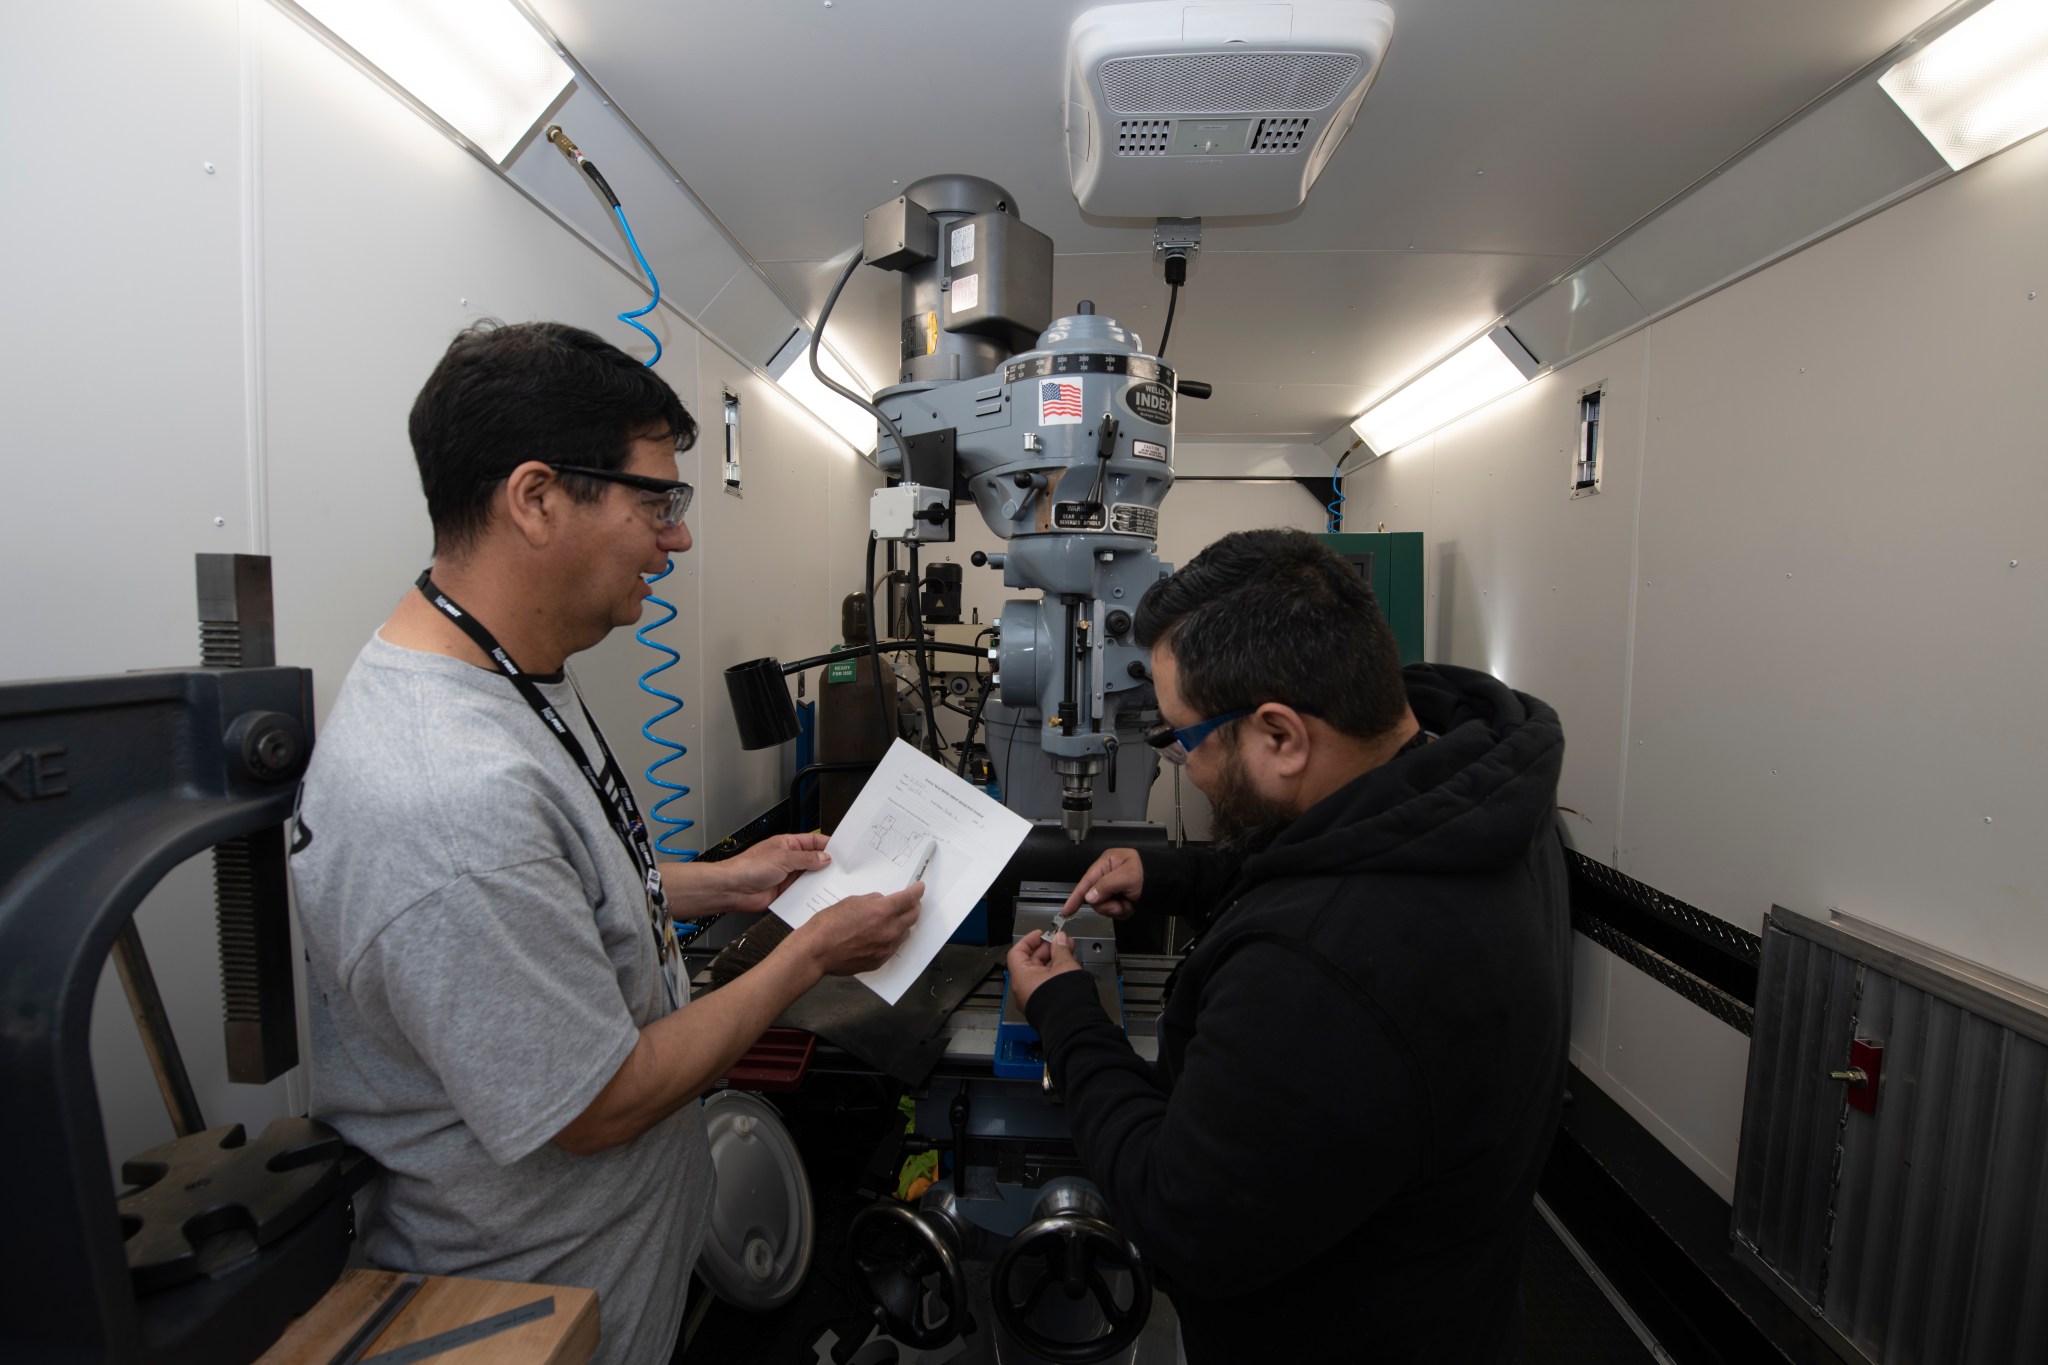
676 491
1175 745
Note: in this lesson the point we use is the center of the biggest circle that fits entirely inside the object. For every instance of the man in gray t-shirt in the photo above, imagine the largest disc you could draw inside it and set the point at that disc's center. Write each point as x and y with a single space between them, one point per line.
497 1015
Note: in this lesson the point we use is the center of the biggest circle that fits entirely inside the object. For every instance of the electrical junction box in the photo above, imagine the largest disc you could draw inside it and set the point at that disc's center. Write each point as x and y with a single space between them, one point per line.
1180 110
898 513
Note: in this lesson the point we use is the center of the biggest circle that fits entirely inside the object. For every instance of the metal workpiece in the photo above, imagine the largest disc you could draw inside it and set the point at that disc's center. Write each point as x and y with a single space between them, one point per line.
1092 933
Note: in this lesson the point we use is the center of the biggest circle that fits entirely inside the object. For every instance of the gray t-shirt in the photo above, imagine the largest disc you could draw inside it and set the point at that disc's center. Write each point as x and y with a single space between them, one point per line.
480 963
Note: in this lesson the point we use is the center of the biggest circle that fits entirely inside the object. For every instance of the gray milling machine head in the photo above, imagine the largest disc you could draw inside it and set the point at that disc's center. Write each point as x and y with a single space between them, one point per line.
1061 431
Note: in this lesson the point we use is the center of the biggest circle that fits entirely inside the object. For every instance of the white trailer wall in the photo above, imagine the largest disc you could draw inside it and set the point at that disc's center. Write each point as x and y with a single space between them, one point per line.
237 259
1797 641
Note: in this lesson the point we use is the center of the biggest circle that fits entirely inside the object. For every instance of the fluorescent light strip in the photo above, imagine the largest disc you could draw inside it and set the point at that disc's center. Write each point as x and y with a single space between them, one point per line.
478 64
791 368
1981 86
1468 378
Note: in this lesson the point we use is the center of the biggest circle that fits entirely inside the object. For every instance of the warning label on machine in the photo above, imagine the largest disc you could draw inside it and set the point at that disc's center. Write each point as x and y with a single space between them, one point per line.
963 244
1078 516
920 335
966 293
1134 519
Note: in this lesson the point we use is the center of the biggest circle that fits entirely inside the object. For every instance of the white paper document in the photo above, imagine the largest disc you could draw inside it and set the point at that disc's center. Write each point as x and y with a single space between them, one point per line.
910 799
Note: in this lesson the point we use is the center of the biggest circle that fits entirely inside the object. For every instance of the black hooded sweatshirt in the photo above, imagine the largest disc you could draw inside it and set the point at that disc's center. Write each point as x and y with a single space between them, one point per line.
1361 1060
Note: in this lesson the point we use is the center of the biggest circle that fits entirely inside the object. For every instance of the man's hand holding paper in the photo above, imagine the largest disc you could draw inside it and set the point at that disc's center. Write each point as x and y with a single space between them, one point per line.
911 810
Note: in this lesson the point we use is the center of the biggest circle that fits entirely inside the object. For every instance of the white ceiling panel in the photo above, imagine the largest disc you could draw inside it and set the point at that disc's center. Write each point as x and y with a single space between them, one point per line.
864 327
748 317
690 256
1854 151
1584 307
1502 142
1353 317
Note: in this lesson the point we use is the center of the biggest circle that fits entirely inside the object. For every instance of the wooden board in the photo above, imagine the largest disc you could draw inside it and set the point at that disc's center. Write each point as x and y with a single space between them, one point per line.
568 1336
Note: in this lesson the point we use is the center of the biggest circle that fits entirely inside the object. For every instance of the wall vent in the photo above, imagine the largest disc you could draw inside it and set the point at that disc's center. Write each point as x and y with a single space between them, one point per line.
1907 1213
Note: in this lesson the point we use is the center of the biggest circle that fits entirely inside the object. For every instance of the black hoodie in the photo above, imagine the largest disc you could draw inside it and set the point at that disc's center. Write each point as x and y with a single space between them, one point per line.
1361 1060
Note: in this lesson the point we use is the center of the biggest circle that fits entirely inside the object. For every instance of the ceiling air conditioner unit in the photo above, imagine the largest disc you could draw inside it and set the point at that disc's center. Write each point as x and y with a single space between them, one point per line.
1189 111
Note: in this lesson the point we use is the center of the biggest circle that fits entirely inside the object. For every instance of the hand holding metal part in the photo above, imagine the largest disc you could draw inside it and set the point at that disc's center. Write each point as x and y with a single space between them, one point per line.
1111 887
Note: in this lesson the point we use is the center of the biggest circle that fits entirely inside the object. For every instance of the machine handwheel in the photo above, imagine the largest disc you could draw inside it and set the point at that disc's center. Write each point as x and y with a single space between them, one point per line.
902 1260
1074 1253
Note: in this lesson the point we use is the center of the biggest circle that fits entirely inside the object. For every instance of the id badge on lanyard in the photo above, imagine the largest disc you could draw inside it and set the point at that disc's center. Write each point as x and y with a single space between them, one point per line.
666 945
620 809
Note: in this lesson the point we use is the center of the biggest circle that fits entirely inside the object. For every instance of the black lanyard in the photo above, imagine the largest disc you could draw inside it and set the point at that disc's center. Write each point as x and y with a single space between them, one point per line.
623 810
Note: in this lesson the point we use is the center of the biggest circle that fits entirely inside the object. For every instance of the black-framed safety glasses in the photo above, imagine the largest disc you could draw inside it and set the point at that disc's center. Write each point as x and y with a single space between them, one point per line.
676 491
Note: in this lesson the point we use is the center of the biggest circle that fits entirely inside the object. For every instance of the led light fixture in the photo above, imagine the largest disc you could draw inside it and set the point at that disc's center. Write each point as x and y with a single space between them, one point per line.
791 369
1468 378
1981 86
477 64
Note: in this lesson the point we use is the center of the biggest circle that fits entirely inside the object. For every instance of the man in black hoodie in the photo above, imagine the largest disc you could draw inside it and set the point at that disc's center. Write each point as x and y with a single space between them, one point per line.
1362 1058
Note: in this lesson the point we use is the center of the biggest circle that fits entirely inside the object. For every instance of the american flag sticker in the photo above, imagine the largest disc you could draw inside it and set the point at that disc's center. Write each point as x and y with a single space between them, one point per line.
1059 403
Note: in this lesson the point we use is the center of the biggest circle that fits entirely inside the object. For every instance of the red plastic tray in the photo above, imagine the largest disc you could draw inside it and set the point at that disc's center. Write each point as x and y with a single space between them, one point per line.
775 1065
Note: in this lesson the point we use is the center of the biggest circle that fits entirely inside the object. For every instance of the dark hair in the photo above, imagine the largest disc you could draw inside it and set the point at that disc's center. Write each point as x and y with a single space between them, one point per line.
1275 615
504 394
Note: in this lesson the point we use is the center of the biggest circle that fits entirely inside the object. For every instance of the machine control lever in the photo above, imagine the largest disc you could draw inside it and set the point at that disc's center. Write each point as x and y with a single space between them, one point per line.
1193 388
1105 438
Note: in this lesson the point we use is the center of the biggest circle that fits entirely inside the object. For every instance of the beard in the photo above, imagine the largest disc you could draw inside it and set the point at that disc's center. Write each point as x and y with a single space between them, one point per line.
1244 821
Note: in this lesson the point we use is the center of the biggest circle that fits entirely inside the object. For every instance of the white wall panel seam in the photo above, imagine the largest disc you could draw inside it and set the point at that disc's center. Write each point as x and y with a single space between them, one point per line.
250 16
701 616
1635 588
250 56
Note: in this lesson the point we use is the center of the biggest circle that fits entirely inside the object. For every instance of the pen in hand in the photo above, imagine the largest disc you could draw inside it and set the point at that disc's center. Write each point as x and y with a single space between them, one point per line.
922 863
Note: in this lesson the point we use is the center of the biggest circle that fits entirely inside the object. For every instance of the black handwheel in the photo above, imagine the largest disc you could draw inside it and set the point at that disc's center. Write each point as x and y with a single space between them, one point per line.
1073 1252
896 1254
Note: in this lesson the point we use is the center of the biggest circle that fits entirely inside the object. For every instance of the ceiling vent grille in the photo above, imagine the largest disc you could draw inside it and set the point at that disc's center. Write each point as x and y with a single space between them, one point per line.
1280 135
1227 82
1217 109
1143 136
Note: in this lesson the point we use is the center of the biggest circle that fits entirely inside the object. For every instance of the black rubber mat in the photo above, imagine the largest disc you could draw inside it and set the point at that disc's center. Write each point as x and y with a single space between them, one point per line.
1566 1320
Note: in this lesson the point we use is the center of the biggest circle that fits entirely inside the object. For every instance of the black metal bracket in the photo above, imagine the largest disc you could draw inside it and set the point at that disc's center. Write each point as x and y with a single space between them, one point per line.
237 629
1709 961
109 784
930 460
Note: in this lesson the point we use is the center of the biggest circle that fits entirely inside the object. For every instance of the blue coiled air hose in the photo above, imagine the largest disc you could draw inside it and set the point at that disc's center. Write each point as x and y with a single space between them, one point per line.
674 825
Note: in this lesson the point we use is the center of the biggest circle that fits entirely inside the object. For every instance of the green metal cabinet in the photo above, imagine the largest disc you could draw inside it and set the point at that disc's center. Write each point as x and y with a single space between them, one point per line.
1392 562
